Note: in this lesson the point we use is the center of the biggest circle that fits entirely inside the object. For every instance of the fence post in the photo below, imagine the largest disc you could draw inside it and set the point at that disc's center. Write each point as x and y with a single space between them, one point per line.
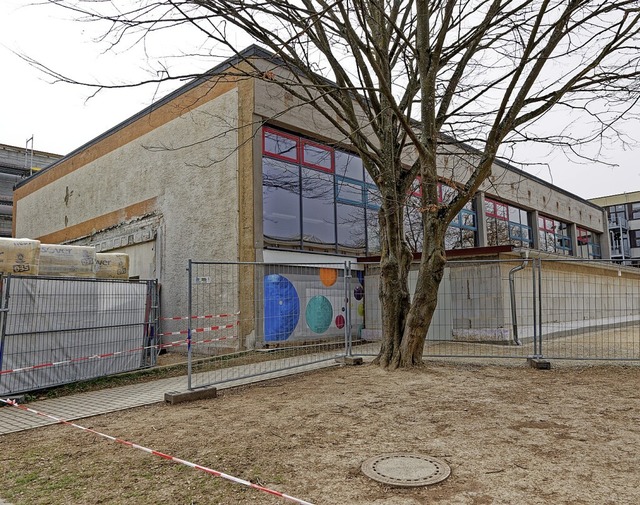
5 284
539 354
189 308
347 309
535 306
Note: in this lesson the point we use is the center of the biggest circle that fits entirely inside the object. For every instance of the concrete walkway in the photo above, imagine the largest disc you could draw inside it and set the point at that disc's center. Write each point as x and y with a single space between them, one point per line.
93 403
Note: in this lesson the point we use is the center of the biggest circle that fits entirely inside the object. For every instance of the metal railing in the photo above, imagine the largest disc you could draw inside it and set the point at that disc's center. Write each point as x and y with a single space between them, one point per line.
279 317
55 331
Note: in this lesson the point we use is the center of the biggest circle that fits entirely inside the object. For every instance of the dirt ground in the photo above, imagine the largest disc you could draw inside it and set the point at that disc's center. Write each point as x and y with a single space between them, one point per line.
511 434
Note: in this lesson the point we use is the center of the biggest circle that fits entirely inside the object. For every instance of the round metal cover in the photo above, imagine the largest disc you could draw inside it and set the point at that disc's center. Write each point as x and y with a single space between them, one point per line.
406 469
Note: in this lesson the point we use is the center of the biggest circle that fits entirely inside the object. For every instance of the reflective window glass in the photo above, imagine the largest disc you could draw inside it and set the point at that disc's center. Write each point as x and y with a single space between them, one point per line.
280 200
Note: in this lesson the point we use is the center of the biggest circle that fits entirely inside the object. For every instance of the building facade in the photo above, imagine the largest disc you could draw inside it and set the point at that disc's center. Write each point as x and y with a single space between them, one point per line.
233 169
623 222
17 163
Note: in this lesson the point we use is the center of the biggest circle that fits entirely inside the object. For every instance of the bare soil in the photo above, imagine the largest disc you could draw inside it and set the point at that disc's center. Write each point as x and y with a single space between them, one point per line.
511 434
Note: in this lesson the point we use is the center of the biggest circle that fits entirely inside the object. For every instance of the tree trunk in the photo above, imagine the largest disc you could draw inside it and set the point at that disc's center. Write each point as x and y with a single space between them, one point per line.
395 262
423 307
405 324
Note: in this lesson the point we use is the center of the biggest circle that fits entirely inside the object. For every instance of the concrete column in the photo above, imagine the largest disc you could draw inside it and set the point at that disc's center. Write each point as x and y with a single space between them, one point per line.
573 231
481 219
605 242
533 216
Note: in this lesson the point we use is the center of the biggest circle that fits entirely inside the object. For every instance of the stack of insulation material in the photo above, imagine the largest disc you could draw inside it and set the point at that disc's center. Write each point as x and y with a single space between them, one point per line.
67 261
19 256
112 266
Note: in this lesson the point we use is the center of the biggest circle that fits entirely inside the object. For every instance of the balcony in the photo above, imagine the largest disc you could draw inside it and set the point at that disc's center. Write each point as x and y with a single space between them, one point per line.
617 222
618 252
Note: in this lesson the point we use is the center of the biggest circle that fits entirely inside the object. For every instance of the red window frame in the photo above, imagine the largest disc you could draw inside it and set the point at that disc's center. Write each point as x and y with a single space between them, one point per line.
494 213
583 236
329 150
279 133
547 225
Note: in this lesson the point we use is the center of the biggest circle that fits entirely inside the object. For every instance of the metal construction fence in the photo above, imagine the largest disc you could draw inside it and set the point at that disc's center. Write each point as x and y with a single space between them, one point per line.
249 319
56 330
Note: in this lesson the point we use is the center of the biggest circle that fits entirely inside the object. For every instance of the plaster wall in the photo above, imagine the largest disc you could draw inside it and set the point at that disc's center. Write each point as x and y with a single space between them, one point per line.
183 172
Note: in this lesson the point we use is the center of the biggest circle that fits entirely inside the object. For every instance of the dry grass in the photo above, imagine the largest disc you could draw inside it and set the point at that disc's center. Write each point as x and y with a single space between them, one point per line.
511 434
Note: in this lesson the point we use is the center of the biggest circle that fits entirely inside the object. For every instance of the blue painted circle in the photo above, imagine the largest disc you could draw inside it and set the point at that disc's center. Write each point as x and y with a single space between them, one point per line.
319 314
358 293
281 308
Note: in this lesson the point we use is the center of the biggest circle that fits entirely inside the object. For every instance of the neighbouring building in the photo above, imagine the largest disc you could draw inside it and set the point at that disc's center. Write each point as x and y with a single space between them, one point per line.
17 163
235 170
623 216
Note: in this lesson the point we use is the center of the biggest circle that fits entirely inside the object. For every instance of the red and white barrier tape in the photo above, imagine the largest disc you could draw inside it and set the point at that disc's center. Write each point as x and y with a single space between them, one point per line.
211 316
177 343
210 471
199 330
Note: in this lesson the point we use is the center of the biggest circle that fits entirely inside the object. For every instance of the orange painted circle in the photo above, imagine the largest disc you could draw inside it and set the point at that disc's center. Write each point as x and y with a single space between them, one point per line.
328 276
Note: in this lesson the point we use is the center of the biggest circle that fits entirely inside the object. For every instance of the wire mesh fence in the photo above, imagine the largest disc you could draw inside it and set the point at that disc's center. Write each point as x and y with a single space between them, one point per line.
61 330
589 310
286 316
268 318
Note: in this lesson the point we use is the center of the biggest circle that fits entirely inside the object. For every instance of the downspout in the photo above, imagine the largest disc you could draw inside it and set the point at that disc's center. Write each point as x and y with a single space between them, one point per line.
514 316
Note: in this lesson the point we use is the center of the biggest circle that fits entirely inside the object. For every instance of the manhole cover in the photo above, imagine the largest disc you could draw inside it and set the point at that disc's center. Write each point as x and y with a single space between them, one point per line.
405 469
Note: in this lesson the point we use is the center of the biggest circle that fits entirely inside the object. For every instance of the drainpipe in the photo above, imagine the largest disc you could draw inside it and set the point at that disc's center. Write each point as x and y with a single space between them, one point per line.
514 316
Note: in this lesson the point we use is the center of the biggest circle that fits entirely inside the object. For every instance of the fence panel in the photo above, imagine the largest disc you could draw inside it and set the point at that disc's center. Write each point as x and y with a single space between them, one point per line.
476 314
274 317
590 309
264 318
61 330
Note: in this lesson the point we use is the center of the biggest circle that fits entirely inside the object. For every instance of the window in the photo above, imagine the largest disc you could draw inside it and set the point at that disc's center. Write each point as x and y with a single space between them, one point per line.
634 238
316 197
507 224
318 215
317 156
280 145
554 236
281 200
588 244
617 215
348 165
461 232
635 210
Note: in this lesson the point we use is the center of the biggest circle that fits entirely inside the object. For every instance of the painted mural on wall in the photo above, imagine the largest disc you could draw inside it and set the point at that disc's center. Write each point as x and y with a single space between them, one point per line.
310 303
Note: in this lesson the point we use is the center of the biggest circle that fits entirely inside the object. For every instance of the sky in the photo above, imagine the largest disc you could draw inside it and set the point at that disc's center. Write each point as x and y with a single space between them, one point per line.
62 117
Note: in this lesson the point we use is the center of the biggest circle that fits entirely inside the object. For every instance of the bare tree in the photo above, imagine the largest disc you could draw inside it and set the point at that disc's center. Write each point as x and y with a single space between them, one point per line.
404 80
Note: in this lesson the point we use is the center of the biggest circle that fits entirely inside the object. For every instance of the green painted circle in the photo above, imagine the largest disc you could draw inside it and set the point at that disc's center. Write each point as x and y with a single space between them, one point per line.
361 309
319 314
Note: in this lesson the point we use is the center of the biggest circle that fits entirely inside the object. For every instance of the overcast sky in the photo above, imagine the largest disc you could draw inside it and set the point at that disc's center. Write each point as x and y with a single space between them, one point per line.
61 117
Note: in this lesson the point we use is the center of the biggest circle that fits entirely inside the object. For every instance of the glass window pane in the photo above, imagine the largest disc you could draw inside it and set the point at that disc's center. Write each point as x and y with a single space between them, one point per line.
281 200
280 145
349 191
374 199
413 224
351 226
468 219
349 165
317 156
318 219
448 193
373 232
